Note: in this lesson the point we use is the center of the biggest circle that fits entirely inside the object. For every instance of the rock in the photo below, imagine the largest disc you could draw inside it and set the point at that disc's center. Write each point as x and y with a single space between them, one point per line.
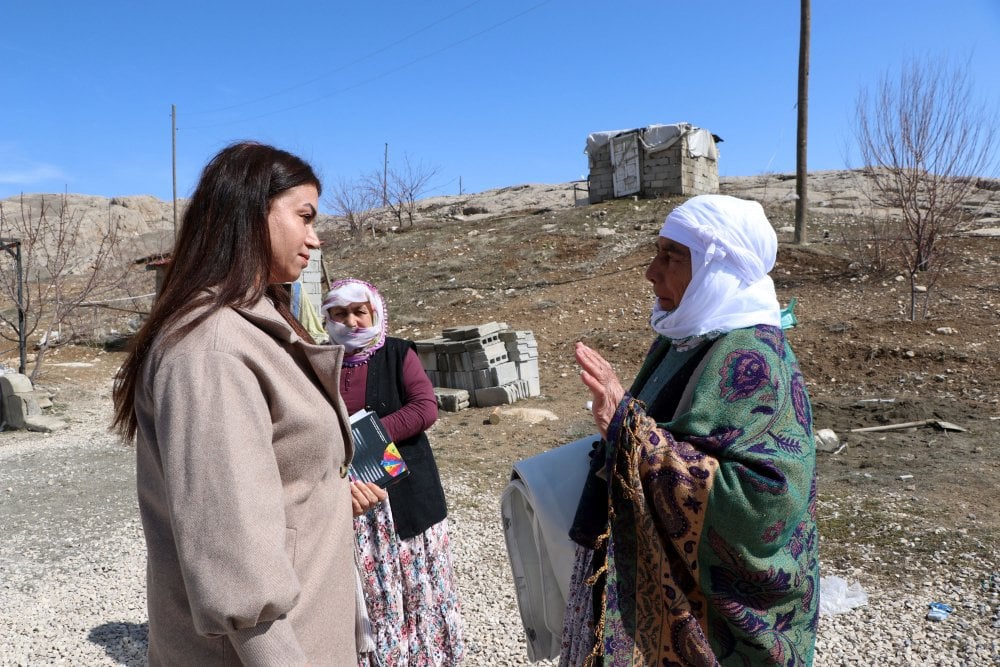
43 423
531 415
827 440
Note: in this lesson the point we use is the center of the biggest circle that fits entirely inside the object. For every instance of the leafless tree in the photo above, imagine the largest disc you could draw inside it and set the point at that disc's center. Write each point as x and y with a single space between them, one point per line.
357 204
408 184
65 264
402 187
924 141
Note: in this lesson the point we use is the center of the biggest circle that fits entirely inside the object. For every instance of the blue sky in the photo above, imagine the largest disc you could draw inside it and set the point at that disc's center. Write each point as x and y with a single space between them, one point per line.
491 92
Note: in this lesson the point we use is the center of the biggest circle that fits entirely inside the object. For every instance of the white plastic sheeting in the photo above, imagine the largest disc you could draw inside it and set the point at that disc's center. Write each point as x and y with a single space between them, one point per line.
656 138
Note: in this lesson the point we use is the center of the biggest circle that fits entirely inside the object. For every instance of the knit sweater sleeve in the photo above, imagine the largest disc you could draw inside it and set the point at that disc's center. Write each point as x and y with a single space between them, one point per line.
419 411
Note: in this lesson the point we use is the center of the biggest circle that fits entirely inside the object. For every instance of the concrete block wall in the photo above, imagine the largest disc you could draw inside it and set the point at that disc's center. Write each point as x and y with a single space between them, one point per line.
491 363
600 181
665 172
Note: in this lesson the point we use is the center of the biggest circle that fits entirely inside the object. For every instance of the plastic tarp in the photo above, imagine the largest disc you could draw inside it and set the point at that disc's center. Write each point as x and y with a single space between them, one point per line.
656 138
538 507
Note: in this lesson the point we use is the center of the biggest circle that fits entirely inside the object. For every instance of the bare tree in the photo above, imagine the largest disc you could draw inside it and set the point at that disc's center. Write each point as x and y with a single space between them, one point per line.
408 184
924 141
65 264
399 188
376 186
356 203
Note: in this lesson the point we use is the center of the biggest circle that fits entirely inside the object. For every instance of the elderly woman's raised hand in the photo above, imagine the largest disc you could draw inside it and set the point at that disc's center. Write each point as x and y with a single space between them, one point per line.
603 383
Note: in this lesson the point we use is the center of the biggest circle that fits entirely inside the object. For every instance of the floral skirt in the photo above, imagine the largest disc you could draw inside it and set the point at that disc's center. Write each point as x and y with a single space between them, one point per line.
578 622
411 593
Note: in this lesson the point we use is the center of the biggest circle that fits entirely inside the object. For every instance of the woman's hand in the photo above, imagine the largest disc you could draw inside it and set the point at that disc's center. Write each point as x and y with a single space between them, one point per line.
366 495
602 382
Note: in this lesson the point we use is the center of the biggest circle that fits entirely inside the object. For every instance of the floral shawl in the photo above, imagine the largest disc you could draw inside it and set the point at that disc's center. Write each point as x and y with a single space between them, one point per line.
712 546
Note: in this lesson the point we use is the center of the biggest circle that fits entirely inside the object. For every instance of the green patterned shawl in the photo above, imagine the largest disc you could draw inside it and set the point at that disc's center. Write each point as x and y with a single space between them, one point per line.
712 546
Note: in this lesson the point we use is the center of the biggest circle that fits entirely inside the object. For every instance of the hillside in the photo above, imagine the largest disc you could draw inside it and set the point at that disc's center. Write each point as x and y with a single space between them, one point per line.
912 514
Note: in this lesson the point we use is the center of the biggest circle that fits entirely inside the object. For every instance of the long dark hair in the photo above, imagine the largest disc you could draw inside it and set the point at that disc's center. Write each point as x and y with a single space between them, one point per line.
223 244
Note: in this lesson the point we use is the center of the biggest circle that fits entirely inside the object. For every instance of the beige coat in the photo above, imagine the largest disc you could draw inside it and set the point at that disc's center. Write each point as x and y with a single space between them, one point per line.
247 517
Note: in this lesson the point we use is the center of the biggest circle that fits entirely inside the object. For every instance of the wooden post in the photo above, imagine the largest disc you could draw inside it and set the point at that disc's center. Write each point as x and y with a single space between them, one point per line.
801 170
173 159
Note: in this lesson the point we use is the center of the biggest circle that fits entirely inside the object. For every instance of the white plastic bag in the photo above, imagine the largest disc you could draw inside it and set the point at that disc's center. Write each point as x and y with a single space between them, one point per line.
837 596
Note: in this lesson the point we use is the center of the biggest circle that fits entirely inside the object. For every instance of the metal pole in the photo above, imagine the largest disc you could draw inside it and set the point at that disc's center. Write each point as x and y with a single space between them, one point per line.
21 347
173 159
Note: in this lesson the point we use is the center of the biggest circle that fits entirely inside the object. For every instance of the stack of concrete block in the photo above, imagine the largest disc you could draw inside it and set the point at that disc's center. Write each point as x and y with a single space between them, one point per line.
493 364
523 351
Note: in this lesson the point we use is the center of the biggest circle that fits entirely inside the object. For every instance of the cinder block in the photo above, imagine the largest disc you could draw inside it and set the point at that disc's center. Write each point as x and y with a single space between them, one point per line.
471 332
452 400
504 373
482 378
490 396
491 355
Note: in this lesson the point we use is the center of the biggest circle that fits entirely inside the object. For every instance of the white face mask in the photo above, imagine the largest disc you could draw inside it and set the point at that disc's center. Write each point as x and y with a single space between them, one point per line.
353 339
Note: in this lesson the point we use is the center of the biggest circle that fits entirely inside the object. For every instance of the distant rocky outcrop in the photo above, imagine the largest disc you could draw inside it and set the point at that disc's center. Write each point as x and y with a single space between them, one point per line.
145 223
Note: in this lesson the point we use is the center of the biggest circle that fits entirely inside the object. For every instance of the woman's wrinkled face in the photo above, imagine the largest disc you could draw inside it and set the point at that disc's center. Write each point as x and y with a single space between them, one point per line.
356 315
290 218
670 272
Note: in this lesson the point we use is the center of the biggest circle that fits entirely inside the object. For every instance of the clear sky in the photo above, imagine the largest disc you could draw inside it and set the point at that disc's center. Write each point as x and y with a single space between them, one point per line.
491 92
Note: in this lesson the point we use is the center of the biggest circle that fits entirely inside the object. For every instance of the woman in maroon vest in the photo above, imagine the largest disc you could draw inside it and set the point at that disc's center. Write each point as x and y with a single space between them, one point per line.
403 550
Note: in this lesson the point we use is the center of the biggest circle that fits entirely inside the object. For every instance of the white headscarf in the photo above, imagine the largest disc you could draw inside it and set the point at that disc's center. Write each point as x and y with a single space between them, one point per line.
733 247
359 342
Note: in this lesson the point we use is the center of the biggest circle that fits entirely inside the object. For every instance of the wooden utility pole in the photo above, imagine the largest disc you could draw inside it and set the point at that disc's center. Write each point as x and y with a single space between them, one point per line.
385 176
173 159
801 170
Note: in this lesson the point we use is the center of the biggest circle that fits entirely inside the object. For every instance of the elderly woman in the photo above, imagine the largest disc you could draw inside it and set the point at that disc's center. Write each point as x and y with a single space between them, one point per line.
402 545
705 545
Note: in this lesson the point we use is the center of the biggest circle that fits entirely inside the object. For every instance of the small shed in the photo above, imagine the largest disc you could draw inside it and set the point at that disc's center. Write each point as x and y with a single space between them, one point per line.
678 159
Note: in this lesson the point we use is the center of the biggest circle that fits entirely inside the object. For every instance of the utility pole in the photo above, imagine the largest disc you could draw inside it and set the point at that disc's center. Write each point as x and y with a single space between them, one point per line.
459 185
801 171
385 175
7 244
173 159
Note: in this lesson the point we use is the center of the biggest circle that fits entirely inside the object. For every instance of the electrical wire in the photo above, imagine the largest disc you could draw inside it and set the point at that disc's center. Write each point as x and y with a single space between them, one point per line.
381 75
347 65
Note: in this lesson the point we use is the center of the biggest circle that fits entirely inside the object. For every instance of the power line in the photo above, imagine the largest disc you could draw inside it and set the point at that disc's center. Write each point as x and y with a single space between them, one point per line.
382 75
363 58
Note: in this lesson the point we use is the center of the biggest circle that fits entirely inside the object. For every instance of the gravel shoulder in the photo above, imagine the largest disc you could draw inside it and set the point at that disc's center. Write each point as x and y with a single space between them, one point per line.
72 566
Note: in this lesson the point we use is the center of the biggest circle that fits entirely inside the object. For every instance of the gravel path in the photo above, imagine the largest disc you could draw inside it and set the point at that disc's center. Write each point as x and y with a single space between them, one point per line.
72 572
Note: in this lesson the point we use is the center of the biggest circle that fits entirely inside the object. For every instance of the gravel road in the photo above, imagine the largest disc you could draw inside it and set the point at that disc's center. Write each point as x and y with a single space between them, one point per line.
72 572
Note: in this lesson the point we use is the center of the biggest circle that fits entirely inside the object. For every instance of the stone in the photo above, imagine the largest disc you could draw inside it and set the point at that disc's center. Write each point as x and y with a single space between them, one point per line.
44 424
14 383
17 408
827 440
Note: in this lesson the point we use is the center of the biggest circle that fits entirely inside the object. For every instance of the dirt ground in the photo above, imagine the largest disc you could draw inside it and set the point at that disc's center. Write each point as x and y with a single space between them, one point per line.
576 273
